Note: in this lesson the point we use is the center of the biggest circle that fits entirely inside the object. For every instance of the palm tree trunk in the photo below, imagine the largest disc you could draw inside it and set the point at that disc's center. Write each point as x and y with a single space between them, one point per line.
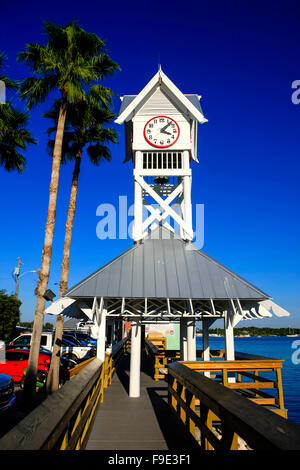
53 376
69 225
30 381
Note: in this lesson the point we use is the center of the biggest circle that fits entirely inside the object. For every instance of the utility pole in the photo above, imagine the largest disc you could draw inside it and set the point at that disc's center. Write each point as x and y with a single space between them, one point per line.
17 274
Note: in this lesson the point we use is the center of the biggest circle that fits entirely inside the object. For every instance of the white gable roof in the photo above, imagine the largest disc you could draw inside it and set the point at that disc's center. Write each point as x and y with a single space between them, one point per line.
160 79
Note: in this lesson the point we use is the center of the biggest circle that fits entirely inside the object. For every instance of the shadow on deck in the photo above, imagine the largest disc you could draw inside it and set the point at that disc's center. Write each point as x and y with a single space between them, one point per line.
144 423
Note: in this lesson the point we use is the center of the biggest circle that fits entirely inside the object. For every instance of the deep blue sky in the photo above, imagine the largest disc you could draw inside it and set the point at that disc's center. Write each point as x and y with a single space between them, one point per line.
242 57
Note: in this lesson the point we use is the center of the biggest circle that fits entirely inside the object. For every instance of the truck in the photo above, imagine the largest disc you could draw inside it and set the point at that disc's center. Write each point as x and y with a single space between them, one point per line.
70 349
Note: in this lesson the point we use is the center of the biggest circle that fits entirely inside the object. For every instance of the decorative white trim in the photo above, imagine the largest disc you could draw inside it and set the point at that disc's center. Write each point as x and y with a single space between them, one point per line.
163 205
160 79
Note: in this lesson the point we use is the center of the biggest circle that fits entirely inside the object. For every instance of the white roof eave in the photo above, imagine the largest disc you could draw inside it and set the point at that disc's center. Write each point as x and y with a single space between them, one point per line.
275 309
160 78
72 308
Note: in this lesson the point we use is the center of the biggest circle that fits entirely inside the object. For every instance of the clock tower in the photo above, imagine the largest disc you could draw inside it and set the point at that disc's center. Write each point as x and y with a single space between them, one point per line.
163 279
161 141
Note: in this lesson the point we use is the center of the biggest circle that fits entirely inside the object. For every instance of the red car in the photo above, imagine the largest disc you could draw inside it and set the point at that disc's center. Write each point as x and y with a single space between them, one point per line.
16 360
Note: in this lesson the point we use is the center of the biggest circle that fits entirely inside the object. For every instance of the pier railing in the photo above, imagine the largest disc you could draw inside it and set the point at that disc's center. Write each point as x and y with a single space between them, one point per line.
160 358
244 375
221 419
63 420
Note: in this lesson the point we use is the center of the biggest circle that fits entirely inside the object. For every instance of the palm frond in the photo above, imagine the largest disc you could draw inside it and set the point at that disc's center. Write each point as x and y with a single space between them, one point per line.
70 60
35 90
14 138
9 84
98 153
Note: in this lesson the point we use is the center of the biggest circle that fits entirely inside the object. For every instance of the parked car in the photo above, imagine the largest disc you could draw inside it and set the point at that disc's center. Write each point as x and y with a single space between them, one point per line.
76 351
69 348
17 360
25 340
82 338
87 338
7 393
66 364
85 326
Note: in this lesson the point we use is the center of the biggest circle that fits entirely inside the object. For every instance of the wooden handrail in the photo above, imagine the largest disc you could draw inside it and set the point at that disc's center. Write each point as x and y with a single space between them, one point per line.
79 367
152 348
243 365
160 358
236 364
63 420
248 367
222 415
47 427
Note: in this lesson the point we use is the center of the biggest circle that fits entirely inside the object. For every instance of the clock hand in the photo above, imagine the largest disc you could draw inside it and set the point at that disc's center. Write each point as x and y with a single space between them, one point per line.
165 132
165 127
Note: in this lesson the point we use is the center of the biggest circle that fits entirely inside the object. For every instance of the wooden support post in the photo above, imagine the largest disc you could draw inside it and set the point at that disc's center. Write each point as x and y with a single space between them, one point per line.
280 390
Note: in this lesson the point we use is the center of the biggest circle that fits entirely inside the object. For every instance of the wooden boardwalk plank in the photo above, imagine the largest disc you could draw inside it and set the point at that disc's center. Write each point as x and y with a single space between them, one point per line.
144 423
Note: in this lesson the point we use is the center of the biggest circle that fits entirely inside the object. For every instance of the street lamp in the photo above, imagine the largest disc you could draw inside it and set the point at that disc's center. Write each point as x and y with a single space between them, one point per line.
18 275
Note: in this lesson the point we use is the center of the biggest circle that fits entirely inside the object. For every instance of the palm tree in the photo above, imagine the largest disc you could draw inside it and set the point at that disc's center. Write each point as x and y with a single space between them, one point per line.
71 60
14 137
84 130
9 84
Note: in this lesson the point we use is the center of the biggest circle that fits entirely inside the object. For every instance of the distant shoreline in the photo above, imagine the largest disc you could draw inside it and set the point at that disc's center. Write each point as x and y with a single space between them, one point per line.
253 336
254 331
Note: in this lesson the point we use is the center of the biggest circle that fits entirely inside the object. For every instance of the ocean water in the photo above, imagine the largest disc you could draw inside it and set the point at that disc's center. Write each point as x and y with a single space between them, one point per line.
279 347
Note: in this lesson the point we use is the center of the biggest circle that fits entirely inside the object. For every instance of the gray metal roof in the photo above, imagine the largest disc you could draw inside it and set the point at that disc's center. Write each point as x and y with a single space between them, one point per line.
127 99
164 266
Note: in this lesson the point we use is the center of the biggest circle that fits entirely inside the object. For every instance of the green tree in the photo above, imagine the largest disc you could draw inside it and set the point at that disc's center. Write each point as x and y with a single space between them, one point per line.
14 137
9 315
85 129
71 60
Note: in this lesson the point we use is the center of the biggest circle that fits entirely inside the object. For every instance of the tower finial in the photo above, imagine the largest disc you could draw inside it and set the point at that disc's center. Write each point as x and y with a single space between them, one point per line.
159 64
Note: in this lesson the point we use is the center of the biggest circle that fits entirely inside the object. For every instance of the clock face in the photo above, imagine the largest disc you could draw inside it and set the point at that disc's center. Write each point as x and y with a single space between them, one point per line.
161 131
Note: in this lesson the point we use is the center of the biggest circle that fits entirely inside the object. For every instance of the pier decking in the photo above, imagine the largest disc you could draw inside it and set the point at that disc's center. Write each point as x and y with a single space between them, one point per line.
93 410
144 423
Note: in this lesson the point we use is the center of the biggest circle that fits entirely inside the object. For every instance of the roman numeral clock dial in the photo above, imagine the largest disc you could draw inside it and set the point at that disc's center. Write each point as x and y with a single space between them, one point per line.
161 131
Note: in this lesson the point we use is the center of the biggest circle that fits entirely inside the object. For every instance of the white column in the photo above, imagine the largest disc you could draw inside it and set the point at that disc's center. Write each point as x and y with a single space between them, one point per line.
181 213
101 340
205 339
206 322
138 202
187 188
183 339
229 341
229 336
135 359
191 340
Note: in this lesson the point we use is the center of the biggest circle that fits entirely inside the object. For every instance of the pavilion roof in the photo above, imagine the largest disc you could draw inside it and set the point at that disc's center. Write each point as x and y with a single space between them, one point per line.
164 266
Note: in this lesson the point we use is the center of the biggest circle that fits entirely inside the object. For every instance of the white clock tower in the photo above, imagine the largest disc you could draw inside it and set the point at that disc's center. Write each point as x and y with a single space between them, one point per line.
161 140
163 279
